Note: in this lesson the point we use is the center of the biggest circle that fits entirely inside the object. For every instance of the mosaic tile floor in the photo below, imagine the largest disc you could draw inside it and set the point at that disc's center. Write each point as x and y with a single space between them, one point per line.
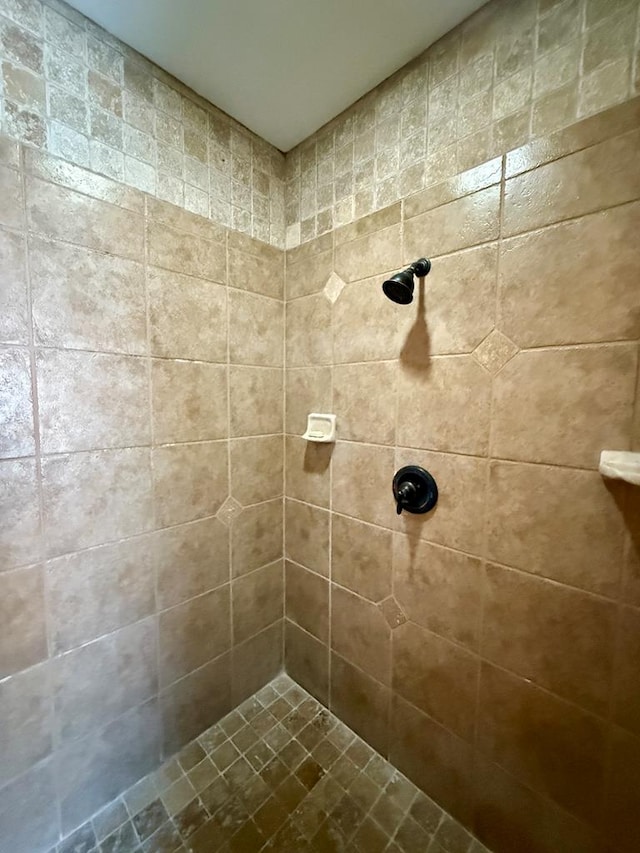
280 773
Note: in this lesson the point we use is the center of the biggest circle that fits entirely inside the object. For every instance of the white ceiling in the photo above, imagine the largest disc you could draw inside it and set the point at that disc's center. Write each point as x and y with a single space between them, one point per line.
281 67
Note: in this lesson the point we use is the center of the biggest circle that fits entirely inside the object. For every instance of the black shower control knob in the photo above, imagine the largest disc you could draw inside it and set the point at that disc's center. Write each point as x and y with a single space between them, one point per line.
414 489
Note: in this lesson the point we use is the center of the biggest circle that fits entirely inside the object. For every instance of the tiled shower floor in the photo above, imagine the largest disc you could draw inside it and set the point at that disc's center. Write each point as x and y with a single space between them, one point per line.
280 773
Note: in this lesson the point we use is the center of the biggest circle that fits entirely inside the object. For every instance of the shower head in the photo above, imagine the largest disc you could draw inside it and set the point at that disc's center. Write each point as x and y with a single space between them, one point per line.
399 288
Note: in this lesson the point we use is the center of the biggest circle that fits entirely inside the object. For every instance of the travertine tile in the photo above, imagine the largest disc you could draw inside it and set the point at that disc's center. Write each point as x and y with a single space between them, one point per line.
20 536
13 201
361 702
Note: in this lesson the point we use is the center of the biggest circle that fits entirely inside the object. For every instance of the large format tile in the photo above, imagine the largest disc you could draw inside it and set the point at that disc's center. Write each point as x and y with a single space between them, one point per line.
186 253
368 498
307 467
438 588
307 660
20 537
539 198
93 498
458 519
108 316
366 325
559 638
89 401
439 762
256 537
361 557
369 254
189 560
29 819
257 600
190 481
16 404
307 535
256 329
257 465
437 676
573 283
187 316
445 406
93 770
255 400
361 702
361 634
465 222
308 331
97 591
548 744
564 406
364 401
61 214
27 732
12 206
307 600
560 523
189 401
23 631
308 389
103 679
13 289
193 633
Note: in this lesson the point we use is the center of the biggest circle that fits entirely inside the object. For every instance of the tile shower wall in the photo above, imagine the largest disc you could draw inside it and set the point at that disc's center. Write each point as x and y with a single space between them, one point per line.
141 578
70 88
490 649
515 70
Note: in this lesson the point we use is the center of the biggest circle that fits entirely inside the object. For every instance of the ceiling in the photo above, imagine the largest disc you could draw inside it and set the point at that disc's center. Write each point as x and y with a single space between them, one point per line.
281 67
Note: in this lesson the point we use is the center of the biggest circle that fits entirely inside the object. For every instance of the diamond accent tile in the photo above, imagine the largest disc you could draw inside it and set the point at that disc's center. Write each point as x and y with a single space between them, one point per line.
392 612
229 510
495 351
334 287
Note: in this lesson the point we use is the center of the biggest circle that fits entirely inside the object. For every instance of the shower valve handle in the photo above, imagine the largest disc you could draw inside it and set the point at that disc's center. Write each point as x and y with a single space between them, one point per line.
405 496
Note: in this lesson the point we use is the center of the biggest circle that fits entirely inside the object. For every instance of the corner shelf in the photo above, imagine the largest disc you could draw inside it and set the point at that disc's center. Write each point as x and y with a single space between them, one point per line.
620 465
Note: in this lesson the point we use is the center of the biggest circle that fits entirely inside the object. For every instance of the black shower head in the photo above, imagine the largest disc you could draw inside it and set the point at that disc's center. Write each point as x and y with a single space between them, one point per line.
399 288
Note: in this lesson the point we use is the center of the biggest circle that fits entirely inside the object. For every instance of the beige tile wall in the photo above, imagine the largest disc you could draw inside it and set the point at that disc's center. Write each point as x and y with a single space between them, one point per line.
514 71
490 648
70 88
141 576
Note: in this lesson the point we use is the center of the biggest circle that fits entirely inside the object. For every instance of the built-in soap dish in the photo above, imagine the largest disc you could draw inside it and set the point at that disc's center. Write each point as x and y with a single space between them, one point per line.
320 427
620 465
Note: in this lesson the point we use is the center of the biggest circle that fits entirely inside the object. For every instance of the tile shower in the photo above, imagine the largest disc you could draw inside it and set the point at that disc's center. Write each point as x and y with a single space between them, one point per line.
169 543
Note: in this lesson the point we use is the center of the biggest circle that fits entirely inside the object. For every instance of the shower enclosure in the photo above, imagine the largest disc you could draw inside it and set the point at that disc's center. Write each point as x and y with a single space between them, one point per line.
217 635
